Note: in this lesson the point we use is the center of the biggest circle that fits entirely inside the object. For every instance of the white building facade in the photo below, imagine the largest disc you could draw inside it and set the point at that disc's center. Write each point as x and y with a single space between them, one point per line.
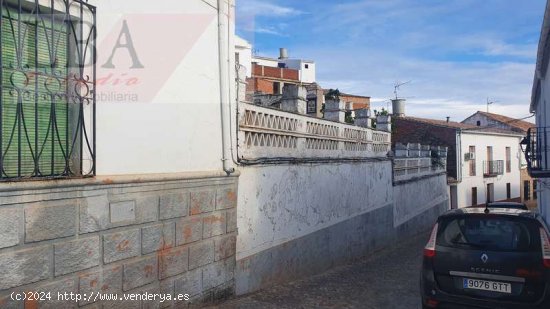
482 163
489 168
538 141
306 68
243 54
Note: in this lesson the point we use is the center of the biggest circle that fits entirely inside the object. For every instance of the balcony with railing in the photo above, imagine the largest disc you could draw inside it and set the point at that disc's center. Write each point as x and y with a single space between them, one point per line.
493 168
535 148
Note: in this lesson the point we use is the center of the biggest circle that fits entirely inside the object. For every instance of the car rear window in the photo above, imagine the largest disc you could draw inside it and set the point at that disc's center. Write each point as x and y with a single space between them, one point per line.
488 233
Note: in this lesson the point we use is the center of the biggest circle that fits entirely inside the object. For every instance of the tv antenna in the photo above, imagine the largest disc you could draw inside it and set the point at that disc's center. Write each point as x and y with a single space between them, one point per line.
489 103
397 86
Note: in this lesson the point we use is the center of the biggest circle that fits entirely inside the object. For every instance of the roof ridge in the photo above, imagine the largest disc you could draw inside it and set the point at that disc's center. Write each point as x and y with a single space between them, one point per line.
520 124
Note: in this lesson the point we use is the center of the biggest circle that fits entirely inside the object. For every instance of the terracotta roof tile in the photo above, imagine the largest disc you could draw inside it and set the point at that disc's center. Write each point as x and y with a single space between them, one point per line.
515 123
459 125
443 123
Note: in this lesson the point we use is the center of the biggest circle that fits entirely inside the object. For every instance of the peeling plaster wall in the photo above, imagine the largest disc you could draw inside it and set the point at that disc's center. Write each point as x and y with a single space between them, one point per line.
299 220
427 194
281 203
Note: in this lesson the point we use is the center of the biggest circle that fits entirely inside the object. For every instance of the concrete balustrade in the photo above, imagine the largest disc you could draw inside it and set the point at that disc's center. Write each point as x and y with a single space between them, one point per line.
272 133
416 160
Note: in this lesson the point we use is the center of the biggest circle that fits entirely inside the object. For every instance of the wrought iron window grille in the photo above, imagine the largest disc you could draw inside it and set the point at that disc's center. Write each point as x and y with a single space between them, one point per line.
535 149
47 95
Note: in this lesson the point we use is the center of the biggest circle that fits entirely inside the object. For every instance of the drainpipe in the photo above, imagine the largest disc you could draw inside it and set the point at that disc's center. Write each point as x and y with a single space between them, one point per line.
224 58
459 155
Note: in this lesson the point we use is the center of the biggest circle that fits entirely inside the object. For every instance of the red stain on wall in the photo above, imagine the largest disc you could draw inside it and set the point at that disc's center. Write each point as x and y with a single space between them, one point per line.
149 270
31 304
123 246
231 196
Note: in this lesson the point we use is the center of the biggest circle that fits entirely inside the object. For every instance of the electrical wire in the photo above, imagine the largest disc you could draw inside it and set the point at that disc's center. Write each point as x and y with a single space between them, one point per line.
289 160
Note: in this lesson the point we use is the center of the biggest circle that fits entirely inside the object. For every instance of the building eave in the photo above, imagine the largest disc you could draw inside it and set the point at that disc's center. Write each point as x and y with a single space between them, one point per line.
481 132
264 58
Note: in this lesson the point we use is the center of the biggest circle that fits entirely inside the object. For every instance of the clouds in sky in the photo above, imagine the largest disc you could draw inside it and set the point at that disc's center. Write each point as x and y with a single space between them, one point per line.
456 52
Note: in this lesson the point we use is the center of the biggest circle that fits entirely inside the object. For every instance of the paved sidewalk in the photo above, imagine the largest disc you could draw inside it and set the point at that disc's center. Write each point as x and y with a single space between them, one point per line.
387 279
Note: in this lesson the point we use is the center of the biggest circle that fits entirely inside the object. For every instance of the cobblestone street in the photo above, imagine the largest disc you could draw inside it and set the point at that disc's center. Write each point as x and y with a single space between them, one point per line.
388 279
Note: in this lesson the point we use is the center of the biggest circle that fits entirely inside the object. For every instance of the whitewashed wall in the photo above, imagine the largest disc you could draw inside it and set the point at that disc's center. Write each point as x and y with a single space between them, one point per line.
244 49
315 193
268 62
543 121
281 203
175 125
307 75
499 144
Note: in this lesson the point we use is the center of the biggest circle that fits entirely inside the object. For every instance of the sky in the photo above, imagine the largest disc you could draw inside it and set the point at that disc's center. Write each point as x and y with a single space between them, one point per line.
456 53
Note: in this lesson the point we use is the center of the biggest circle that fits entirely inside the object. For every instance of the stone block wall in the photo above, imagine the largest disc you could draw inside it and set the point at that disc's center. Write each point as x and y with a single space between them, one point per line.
172 237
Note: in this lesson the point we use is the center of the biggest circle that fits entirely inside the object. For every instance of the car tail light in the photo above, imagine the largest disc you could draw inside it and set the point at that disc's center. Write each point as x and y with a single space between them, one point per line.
431 303
545 241
526 273
429 250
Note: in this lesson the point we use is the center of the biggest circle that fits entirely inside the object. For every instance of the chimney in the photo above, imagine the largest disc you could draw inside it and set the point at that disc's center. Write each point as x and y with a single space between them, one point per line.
448 118
335 110
283 54
294 99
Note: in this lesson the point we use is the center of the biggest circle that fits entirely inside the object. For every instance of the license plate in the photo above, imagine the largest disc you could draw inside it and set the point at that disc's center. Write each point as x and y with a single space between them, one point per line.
493 286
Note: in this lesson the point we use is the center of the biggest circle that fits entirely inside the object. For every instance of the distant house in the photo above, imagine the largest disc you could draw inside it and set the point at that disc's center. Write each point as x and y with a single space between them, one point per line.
306 68
482 163
484 119
267 78
270 75
271 80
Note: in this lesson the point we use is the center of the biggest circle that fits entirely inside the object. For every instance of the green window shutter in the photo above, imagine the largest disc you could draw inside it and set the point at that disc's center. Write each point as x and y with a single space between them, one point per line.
35 112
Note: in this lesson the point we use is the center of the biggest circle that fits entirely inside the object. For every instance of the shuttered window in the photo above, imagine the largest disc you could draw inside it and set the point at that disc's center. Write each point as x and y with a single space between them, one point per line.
42 117
34 110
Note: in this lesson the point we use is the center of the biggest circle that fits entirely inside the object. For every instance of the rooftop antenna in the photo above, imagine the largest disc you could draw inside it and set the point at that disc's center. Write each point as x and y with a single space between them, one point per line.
397 86
489 103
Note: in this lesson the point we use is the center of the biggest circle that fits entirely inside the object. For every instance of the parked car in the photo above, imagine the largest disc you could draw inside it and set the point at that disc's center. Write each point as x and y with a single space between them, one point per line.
476 258
511 205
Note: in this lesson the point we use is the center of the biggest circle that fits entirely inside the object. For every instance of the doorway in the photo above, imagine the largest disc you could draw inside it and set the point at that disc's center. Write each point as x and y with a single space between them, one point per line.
454 197
490 192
